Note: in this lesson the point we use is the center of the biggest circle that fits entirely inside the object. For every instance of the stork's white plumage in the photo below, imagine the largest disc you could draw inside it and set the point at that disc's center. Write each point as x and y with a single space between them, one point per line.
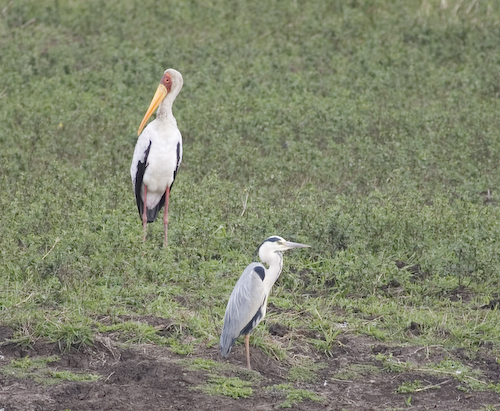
158 152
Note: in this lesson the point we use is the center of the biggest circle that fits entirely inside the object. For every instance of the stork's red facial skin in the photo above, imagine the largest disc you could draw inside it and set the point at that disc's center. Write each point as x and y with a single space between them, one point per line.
166 80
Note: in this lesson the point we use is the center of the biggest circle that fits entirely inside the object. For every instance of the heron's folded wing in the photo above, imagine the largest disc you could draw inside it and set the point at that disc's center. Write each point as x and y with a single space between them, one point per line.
246 300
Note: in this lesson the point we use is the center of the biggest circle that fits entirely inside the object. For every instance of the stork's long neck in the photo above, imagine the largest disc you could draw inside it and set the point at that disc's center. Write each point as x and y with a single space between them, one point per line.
164 111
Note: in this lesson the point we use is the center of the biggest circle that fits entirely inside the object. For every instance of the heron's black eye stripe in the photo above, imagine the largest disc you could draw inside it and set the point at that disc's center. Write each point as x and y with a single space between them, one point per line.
270 239
260 272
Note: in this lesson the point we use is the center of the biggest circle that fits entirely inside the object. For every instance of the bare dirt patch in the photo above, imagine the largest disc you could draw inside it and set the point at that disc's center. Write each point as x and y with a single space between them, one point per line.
148 377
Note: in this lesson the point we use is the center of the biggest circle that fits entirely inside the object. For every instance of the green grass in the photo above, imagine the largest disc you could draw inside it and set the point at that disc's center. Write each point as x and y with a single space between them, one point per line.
294 395
367 129
410 387
36 369
223 378
133 332
218 372
305 370
472 379
227 386
71 376
355 371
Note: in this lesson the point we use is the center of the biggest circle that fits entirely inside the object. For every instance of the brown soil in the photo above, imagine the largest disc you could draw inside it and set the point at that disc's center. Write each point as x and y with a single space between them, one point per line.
148 377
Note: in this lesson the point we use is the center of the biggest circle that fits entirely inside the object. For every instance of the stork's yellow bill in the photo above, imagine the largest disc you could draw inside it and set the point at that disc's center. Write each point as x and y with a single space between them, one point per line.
161 92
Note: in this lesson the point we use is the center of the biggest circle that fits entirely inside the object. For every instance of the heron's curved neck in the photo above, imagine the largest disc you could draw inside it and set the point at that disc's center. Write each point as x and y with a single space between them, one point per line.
275 262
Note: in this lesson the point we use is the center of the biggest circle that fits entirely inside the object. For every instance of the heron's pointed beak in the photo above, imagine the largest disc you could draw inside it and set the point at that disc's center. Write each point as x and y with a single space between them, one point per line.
289 244
161 93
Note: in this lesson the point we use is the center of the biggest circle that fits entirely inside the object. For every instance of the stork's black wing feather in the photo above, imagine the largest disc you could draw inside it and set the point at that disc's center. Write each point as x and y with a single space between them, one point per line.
141 169
176 168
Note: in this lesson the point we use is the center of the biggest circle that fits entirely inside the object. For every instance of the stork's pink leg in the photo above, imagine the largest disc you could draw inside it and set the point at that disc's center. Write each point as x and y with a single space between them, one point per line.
144 214
165 215
247 347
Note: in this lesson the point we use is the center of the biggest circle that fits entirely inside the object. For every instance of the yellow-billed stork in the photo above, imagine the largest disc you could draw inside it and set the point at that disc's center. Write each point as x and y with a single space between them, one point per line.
158 152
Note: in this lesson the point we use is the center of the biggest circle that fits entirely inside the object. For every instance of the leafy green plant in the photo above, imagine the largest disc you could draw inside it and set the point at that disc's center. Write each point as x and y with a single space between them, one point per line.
392 364
134 332
305 371
71 376
228 386
294 395
409 387
201 364
178 347
27 363
36 369
471 377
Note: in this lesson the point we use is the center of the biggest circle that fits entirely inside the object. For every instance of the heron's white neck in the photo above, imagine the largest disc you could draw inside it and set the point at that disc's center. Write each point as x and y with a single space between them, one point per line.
274 260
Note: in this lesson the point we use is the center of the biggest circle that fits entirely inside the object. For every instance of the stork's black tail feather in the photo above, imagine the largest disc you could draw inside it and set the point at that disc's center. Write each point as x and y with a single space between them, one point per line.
152 213
141 169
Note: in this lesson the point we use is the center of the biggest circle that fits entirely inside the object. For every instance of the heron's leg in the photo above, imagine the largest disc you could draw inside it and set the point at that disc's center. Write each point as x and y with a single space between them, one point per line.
144 214
165 215
247 346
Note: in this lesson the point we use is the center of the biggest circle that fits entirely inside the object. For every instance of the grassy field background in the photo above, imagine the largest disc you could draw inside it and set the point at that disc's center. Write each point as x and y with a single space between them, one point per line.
367 129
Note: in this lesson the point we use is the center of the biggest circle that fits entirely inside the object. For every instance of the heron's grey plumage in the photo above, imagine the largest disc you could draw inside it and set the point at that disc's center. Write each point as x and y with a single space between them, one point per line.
248 301
245 309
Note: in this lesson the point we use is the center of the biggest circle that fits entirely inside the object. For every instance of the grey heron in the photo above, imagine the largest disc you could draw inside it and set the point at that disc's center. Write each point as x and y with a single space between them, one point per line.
158 153
248 301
